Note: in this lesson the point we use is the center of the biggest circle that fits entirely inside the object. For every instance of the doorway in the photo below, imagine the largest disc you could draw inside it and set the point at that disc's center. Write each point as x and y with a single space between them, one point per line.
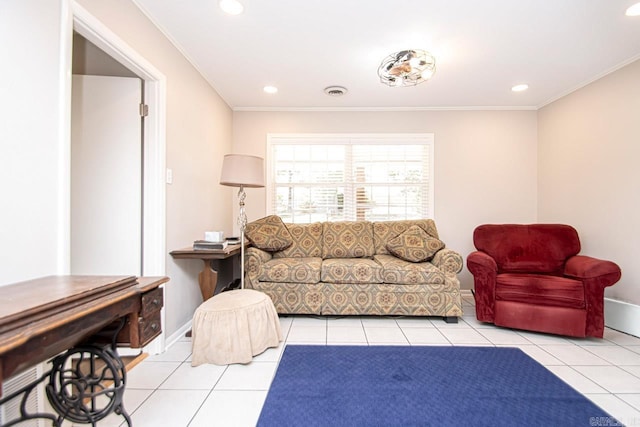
153 150
106 165
106 176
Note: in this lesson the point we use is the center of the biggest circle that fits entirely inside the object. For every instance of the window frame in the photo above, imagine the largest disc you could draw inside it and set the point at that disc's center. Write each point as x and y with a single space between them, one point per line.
425 139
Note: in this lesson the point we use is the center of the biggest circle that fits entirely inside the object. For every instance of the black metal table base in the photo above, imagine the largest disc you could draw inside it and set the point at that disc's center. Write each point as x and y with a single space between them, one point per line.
86 384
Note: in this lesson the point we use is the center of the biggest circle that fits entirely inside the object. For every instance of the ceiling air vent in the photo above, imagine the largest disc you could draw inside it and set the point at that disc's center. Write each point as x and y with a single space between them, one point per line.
335 90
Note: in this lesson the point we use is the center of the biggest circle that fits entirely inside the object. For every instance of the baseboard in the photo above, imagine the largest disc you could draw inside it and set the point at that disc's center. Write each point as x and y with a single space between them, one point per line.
178 335
622 316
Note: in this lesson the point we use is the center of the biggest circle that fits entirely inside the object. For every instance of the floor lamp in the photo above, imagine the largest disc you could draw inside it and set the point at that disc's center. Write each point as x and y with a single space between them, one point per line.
239 170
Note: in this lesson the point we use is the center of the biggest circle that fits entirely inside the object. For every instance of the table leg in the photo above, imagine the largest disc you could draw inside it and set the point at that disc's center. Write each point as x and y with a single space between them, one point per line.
76 390
85 385
208 280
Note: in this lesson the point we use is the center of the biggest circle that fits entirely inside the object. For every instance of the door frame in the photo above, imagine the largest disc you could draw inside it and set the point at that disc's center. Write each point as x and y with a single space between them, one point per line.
154 144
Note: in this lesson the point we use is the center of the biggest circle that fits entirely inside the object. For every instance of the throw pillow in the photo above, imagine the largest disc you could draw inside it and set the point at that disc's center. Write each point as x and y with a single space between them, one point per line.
269 234
414 245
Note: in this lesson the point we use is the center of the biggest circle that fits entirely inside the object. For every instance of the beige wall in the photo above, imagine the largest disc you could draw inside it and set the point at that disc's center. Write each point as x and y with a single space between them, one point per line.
198 134
488 167
589 148
485 161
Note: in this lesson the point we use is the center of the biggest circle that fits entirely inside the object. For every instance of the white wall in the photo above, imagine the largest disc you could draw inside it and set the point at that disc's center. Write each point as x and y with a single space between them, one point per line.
485 161
33 140
589 147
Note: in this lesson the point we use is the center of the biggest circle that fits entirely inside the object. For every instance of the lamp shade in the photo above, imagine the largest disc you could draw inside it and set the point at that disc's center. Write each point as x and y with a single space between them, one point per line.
239 170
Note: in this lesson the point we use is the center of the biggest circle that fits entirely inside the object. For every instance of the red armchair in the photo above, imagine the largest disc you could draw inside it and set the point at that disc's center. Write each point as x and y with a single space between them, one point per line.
531 277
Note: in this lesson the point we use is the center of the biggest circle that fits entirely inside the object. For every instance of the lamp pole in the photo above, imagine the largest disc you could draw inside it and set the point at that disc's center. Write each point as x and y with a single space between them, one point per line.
242 223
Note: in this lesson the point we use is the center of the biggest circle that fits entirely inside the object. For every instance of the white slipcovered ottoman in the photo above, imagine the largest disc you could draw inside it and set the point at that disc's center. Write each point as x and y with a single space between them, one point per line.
234 326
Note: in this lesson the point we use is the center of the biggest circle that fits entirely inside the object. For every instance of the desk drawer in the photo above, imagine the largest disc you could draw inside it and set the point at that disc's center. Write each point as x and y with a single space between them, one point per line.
149 328
145 324
152 301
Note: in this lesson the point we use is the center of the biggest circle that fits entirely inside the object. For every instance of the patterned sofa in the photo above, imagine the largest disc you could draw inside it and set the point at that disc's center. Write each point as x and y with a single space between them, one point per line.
354 268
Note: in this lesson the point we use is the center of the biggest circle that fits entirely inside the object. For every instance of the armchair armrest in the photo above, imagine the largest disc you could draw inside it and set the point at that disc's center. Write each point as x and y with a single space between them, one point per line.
585 267
448 261
484 270
595 275
479 262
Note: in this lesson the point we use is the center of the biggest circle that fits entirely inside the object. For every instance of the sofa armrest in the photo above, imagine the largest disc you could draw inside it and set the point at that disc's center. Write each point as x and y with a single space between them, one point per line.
595 275
261 255
484 270
448 261
254 259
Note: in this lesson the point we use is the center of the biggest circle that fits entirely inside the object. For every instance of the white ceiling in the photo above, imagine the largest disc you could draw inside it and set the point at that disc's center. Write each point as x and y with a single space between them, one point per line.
482 49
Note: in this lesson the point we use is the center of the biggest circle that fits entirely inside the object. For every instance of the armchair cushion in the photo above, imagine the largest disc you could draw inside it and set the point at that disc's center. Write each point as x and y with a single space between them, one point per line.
541 248
269 234
540 289
414 245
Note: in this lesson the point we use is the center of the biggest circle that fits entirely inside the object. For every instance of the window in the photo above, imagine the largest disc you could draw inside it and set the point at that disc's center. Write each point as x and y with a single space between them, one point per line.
350 177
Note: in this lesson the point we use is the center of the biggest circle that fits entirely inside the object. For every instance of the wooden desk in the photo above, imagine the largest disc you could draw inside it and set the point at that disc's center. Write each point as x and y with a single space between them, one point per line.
208 277
41 318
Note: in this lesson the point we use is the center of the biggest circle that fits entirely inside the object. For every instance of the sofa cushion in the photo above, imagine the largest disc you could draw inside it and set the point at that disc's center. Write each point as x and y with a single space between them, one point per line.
269 234
291 270
307 241
384 231
414 245
347 239
351 270
398 271
540 289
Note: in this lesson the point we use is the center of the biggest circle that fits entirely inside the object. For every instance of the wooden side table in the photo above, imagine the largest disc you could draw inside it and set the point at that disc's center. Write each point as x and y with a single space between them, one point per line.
208 277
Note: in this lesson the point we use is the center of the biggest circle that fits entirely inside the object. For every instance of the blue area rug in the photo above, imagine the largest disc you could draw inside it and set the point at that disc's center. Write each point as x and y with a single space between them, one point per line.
421 386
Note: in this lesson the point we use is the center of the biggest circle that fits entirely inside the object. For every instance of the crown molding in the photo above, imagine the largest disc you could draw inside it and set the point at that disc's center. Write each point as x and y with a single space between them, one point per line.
591 80
384 109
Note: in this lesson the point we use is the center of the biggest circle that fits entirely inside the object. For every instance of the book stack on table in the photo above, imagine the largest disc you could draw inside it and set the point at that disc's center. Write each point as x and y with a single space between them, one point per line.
211 245
207 245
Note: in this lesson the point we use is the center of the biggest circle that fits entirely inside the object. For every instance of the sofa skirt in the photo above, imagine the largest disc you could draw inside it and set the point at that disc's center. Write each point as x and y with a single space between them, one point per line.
365 299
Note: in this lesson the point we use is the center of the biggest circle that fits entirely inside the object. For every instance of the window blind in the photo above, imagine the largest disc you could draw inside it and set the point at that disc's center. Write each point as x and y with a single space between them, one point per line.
344 178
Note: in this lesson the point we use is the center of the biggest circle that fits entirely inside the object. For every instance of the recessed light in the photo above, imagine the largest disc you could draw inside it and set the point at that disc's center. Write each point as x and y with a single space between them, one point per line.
520 88
270 89
633 10
232 7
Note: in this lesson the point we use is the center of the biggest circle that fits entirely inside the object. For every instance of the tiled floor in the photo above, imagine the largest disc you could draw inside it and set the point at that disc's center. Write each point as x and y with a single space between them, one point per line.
164 390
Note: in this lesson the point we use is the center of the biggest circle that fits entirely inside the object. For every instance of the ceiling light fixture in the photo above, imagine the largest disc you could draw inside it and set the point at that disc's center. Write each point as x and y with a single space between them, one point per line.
270 89
407 68
633 10
232 7
520 87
